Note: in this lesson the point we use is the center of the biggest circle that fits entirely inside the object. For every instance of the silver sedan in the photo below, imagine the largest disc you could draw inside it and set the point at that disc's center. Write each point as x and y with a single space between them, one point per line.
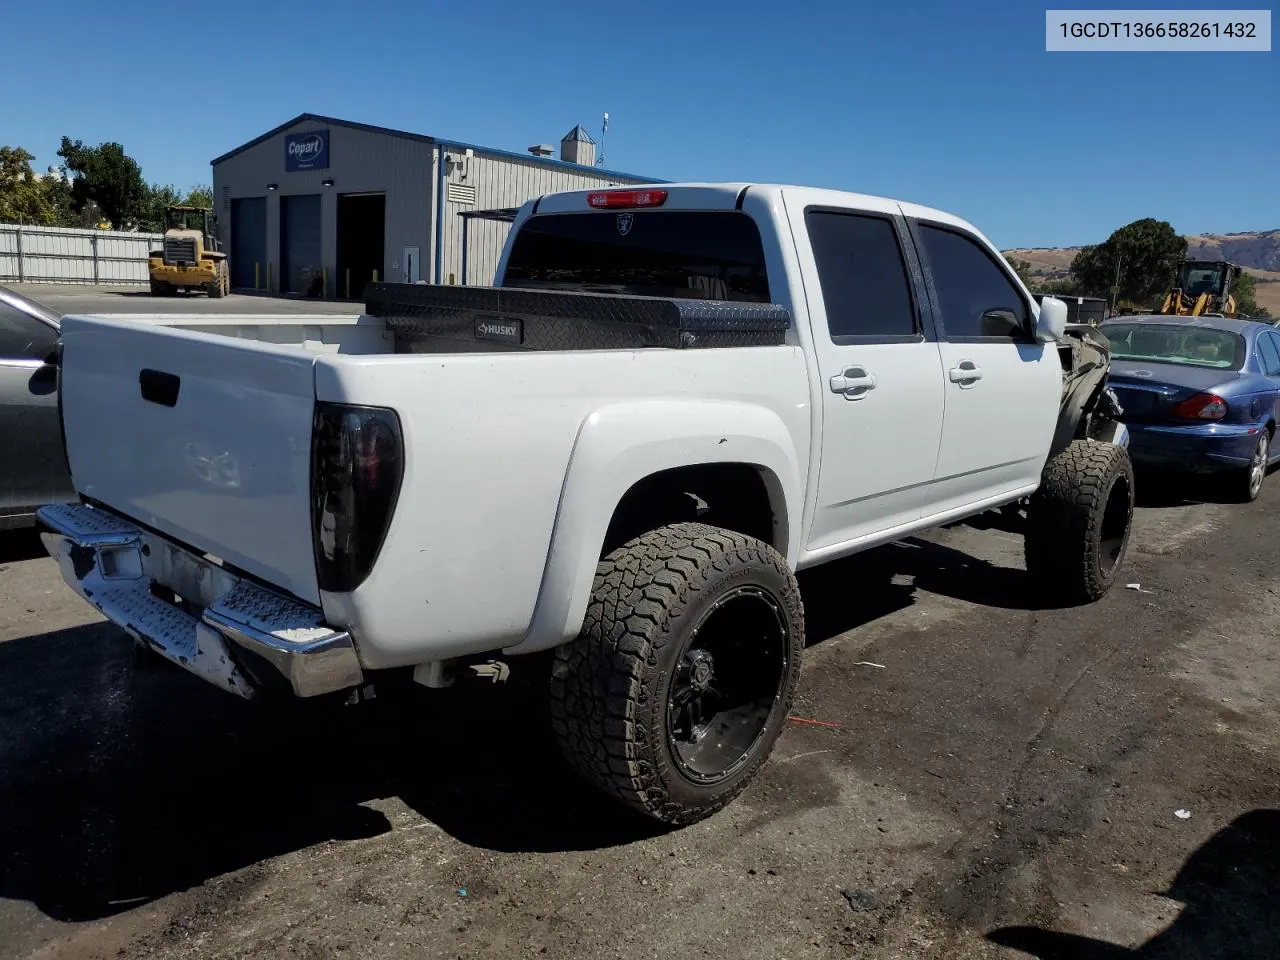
33 468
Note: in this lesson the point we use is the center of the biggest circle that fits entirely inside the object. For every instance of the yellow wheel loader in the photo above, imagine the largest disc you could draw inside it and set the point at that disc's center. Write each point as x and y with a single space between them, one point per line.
1202 287
191 257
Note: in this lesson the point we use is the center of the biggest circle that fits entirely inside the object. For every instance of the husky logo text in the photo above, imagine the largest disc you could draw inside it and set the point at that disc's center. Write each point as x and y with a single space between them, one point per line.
625 221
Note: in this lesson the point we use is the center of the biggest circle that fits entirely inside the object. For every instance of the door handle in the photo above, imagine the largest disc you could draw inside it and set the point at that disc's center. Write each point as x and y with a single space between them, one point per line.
854 383
966 373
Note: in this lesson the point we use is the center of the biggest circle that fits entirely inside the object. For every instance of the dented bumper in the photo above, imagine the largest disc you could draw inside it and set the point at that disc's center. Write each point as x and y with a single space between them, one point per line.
194 612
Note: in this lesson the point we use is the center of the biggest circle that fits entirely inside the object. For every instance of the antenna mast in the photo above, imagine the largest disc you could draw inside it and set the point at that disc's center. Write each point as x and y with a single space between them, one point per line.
604 129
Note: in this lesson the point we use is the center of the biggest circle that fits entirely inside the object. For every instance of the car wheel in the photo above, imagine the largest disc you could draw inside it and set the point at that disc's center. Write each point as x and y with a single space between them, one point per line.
677 688
1078 522
1248 485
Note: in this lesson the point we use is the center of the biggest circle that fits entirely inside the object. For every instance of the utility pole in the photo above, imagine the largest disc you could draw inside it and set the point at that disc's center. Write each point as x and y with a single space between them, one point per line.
1115 287
604 129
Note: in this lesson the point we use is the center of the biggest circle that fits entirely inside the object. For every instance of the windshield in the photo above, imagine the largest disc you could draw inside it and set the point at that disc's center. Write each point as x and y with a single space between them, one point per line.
1198 280
1169 343
698 255
186 219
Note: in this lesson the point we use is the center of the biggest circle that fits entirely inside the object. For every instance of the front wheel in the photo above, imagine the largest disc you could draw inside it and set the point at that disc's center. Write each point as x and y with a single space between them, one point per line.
218 286
1078 522
677 688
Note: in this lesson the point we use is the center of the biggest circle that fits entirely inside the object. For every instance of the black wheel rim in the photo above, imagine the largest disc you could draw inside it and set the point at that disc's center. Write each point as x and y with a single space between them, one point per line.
1115 526
727 684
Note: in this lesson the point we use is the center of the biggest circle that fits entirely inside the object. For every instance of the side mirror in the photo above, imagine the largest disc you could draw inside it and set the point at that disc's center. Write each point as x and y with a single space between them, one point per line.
1052 320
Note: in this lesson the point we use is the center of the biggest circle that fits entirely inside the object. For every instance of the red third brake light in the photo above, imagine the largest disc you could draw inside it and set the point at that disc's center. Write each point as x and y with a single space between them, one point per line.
1202 406
615 199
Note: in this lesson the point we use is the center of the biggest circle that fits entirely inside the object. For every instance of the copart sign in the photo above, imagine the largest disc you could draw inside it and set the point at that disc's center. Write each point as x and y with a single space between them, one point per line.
306 151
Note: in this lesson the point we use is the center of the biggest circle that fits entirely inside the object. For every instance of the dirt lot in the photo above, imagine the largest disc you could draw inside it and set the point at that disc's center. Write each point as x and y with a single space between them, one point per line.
1001 777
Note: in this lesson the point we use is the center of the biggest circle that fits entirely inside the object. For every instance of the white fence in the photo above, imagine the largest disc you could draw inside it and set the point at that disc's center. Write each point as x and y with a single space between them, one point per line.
63 255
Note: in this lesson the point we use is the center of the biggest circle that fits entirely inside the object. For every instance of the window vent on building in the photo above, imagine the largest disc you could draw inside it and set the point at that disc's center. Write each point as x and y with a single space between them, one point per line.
462 193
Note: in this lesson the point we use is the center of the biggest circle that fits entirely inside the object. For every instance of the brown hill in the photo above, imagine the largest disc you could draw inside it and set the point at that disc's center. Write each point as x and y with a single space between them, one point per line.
1257 252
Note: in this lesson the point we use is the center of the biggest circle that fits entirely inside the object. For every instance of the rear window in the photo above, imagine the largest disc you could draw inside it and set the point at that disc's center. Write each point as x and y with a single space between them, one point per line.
1169 343
703 255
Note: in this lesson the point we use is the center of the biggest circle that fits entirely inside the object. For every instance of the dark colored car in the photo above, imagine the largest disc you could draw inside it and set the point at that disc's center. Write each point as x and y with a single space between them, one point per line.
33 470
1200 394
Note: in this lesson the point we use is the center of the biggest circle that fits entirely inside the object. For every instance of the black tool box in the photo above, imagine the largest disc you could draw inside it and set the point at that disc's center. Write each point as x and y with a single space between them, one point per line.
507 318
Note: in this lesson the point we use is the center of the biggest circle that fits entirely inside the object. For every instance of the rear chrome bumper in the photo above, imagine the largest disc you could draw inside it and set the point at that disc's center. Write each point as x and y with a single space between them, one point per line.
125 572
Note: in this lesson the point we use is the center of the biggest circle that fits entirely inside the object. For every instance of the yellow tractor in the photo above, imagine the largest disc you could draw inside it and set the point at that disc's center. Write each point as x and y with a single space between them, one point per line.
1202 287
191 257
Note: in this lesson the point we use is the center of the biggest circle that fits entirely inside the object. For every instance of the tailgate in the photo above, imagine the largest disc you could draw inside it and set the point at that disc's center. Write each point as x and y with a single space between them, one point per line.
203 438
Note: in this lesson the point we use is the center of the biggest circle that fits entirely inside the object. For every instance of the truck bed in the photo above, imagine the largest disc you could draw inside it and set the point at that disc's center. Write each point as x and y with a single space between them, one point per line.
200 429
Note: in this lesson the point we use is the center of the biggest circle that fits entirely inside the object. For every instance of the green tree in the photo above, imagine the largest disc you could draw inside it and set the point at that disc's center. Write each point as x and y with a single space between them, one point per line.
201 195
58 192
1139 258
24 197
158 198
1022 268
1055 288
1244 288
109 177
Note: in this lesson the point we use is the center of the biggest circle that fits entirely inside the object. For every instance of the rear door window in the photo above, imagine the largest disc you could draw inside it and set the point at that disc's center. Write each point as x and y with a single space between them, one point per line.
701 255
864 280
1269 352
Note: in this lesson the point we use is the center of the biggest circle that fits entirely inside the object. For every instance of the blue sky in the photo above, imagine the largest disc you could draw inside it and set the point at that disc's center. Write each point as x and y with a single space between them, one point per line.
949 103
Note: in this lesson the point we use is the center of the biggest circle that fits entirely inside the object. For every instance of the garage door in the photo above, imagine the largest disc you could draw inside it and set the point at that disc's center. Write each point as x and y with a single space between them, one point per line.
248 240
299 243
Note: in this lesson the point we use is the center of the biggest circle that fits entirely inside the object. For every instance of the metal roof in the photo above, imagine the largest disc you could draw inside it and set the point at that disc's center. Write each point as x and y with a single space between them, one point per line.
447 144
577 134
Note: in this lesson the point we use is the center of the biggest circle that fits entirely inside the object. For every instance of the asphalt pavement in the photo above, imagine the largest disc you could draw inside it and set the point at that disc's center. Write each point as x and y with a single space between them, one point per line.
84 299
993 781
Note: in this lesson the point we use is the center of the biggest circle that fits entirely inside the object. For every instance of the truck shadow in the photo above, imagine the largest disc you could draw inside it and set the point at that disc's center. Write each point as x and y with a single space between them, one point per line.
21 544
846 594
1230 888
123 781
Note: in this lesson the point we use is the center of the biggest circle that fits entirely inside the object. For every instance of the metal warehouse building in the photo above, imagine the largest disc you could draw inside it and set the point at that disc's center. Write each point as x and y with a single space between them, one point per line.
317 205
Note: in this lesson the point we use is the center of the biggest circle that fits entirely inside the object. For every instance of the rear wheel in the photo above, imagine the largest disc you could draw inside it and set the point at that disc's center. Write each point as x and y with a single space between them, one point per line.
161 289
1078 522
1247 485
676 690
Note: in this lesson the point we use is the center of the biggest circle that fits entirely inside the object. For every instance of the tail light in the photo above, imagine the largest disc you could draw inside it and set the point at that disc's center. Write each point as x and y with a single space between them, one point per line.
619 199
1202 406
357 462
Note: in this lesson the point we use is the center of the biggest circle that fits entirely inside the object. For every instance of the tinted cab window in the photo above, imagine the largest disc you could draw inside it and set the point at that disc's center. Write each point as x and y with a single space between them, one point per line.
23 337
977 298
704 255
864 280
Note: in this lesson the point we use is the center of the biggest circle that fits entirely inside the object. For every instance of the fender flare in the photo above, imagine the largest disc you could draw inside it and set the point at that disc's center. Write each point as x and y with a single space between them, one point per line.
621 444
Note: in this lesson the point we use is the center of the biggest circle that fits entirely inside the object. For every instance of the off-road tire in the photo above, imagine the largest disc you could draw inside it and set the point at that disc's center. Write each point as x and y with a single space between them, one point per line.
1078 522
609 687
161 289
218 286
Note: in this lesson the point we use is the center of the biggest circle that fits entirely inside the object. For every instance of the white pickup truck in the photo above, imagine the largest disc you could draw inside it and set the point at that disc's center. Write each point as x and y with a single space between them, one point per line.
670 401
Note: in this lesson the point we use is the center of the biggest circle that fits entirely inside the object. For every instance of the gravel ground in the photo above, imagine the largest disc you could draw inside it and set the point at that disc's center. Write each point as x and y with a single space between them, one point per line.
86 299
1001 777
